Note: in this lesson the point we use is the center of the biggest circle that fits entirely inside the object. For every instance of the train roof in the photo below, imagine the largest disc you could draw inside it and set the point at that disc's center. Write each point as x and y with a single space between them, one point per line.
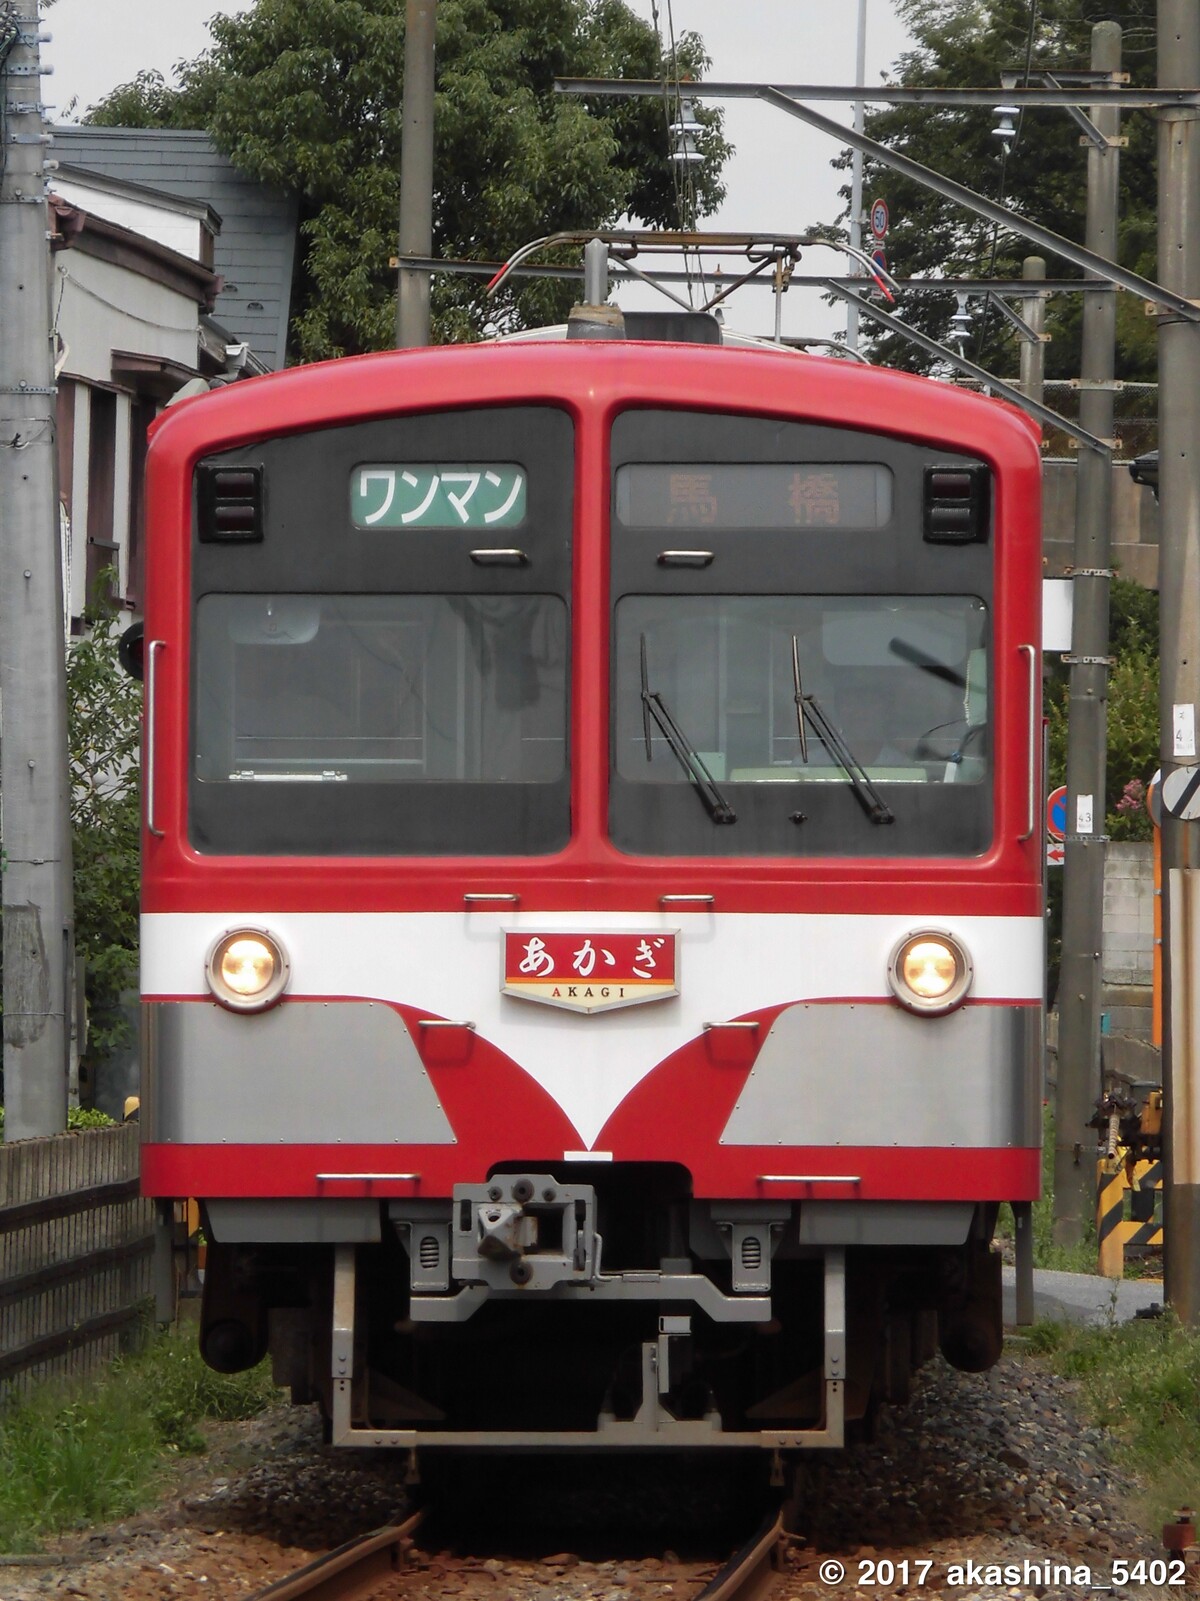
761 378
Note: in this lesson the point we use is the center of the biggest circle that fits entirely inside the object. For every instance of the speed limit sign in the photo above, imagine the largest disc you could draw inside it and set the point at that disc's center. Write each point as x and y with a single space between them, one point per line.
879 218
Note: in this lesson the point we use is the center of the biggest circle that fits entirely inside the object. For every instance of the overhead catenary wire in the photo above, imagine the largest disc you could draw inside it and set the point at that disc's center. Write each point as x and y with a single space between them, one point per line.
1030 40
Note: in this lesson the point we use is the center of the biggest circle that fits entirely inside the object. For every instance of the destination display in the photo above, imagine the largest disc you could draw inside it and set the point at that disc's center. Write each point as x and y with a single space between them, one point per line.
754 495
437 495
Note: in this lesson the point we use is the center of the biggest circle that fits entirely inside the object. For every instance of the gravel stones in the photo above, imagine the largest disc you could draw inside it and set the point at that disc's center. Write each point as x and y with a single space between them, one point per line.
985 1469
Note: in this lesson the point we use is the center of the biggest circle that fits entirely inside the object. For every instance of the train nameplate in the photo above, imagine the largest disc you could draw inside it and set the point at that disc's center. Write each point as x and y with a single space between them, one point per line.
590 971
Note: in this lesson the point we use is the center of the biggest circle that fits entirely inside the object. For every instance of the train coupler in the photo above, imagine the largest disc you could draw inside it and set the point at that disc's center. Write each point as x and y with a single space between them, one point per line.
524 1229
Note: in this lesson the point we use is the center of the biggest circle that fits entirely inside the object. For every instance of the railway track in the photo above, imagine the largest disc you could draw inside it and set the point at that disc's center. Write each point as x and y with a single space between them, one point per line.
750 1573
352 1572
355 1570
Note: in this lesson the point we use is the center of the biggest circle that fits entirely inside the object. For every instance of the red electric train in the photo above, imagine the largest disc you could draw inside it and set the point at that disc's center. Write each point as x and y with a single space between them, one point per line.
592 940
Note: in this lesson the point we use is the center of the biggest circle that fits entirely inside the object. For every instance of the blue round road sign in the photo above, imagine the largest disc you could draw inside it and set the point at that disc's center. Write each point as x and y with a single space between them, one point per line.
1056 813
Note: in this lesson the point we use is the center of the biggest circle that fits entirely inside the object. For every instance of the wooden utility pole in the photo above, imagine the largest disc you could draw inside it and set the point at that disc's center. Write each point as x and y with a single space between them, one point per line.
34 781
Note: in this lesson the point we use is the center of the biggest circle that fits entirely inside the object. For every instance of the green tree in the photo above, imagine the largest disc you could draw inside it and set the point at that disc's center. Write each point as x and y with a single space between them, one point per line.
1042 175
306 94
104 707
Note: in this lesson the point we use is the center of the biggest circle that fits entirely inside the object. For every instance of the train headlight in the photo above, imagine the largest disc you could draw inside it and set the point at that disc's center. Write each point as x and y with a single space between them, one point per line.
247 970
930 972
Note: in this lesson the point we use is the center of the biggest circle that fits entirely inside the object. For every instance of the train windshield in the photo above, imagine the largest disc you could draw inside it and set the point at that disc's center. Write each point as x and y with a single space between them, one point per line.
891 756
460 700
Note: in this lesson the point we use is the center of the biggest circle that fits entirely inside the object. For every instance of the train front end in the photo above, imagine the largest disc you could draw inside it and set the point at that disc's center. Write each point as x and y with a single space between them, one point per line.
593 951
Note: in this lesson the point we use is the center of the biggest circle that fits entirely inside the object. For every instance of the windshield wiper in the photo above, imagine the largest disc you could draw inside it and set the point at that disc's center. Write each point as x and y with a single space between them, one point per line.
807 706
685 754
927 663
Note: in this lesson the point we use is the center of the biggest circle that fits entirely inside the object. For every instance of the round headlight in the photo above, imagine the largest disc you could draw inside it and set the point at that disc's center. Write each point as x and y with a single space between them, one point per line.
930 972
247 970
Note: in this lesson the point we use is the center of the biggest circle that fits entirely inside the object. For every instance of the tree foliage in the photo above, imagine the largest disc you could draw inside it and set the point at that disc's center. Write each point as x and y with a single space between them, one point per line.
104 708
1043 175
306 94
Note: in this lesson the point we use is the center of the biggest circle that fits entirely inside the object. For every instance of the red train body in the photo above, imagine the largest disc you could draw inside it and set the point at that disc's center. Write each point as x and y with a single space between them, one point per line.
591 731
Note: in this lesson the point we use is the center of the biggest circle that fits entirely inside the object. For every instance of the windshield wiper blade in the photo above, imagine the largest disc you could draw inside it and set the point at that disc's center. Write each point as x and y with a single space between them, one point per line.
830 735
685 754
927 663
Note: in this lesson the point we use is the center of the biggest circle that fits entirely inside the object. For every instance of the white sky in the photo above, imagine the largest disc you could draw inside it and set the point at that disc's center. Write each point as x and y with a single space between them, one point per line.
779 179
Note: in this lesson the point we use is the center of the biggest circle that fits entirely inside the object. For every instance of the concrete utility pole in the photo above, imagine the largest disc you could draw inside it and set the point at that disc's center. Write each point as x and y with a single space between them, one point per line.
1079 989
856 170
1179 592
34 784
1033 351
416 171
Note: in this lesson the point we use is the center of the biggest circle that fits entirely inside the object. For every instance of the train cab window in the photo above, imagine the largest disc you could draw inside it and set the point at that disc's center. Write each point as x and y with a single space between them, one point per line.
389 689
381 694
383 669
796 669
897 682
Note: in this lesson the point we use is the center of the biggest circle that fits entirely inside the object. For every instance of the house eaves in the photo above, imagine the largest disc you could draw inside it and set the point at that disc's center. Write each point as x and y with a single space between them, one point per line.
72 228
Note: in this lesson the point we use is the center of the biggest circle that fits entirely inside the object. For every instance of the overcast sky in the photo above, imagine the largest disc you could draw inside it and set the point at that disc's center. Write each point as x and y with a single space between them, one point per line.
779 179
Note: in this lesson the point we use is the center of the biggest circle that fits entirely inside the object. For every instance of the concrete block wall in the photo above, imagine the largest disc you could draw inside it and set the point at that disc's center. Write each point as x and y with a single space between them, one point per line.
1128 938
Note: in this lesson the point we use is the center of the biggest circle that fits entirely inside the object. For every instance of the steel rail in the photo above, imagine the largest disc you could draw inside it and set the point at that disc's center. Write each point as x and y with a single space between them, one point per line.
351 1573
752 1571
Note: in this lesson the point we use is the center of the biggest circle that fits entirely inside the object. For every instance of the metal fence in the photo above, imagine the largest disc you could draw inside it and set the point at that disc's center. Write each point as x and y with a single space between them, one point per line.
76 1253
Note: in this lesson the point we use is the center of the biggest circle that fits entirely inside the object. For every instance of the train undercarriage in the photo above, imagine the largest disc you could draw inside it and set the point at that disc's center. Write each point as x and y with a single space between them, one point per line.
604 1308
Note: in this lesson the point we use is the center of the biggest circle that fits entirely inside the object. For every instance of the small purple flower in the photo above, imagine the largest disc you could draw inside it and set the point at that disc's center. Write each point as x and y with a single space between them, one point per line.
1134 797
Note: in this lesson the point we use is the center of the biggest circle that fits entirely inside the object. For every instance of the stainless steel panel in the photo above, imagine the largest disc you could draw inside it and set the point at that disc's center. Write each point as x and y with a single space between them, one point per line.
306 1072
321 1222
885 1222
868 1074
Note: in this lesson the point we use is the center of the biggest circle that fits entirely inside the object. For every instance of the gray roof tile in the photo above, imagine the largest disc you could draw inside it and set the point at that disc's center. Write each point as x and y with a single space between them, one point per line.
255 250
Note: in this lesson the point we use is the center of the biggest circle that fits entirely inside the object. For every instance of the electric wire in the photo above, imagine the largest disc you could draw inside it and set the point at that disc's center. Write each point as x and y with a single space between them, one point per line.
146 322
1030 37
682 179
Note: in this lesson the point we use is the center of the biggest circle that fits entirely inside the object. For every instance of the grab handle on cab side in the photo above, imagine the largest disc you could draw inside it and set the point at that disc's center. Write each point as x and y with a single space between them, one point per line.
1031 818
152 649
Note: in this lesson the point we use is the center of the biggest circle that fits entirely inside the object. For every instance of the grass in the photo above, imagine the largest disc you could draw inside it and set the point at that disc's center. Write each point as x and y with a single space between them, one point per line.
87 1450
1141 1382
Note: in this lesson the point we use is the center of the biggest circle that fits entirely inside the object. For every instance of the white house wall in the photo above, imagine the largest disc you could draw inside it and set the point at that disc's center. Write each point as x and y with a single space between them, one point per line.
107 308
167 227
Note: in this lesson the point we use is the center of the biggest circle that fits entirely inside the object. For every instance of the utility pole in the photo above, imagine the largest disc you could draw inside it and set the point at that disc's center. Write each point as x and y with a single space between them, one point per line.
856 169
1179 589
1079 988
416 171
1033 351
34 782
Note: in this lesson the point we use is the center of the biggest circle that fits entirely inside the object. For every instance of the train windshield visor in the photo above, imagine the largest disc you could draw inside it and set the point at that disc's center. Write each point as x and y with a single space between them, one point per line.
902 678
300 698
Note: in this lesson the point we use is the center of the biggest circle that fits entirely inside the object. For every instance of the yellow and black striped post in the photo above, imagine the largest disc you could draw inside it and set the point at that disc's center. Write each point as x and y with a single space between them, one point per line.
1142 1182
